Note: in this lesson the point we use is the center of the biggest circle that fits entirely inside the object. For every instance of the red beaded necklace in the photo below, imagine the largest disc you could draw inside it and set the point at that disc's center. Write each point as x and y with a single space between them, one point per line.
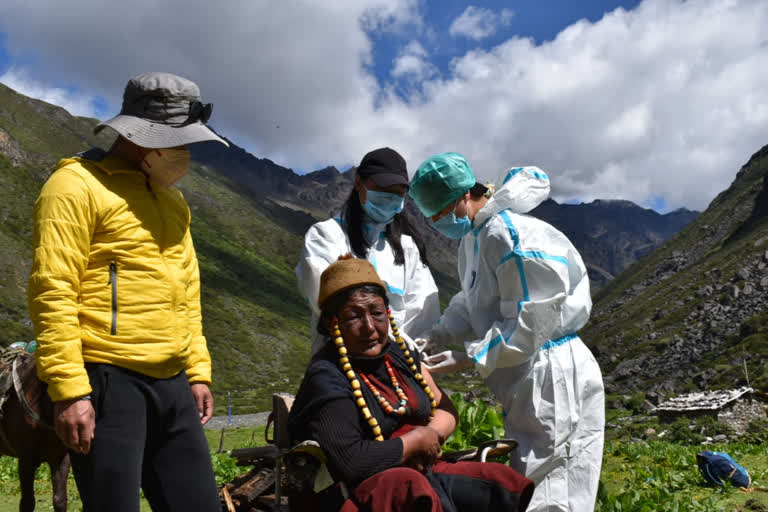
346 367
383 402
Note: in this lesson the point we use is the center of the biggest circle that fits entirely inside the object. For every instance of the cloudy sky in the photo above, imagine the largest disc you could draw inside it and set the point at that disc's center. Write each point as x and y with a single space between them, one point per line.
659 101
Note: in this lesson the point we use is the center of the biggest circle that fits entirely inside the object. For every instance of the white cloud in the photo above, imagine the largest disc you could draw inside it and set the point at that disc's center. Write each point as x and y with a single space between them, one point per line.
75 102
479 22
665 101
299 65
412 63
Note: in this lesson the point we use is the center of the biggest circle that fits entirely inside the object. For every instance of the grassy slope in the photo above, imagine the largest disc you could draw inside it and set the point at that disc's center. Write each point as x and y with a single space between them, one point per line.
44 132
256 322
255 319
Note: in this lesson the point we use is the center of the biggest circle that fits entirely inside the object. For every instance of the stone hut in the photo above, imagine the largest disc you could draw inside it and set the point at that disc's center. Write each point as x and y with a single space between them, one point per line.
735 407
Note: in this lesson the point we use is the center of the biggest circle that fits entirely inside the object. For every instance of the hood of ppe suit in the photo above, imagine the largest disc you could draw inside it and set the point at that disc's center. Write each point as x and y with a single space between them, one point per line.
522 189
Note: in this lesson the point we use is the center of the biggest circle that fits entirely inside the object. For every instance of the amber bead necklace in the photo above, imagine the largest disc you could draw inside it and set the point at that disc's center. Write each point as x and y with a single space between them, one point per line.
357 392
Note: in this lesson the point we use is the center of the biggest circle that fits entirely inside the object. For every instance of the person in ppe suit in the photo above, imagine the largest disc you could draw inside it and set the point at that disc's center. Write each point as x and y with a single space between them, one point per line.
373 225
524 295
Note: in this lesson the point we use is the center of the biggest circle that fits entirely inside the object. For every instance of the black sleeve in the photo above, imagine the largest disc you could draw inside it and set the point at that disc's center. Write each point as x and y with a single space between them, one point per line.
352 457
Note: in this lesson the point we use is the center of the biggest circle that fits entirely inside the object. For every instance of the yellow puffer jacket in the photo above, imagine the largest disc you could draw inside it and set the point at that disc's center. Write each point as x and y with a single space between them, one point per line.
114 278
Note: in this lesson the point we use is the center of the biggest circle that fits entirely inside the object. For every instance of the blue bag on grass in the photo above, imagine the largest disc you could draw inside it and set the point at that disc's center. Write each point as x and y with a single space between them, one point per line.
718 467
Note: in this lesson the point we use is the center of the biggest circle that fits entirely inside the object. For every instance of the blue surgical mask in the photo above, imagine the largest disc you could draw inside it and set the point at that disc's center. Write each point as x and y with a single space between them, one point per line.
381 207
452 226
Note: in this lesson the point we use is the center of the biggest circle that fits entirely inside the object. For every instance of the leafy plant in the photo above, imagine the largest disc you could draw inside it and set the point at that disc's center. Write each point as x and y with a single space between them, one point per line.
8 470
757 432
224 467
478 423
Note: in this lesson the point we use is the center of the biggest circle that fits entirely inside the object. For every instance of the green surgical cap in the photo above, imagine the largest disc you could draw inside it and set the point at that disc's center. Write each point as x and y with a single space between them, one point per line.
440 180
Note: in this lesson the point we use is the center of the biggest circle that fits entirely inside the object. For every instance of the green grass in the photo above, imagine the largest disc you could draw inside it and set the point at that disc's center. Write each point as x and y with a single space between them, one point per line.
223 464
46 132
662 476
638 476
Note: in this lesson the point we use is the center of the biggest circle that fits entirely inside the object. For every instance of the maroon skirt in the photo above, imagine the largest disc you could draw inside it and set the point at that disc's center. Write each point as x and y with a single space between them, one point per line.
448 487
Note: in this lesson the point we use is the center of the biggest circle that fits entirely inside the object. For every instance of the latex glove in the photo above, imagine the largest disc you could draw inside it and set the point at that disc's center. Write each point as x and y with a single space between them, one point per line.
424 345
448 361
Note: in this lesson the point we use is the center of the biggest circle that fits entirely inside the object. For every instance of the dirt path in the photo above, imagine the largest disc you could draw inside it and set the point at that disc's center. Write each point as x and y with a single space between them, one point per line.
242 420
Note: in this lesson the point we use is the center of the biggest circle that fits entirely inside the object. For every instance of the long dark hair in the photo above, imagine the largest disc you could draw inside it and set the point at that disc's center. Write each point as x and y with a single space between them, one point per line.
352 215
478 190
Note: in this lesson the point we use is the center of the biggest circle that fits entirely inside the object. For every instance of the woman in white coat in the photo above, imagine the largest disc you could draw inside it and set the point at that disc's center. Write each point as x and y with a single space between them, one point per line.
373 226
524 295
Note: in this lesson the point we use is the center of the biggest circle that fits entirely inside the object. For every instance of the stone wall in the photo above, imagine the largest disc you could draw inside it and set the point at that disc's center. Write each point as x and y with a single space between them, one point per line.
740 413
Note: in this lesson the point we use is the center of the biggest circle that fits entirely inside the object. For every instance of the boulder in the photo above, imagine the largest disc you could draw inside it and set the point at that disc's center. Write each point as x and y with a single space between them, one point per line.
647 406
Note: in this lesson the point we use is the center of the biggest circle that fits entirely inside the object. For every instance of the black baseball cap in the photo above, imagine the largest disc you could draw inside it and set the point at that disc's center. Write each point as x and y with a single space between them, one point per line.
385 167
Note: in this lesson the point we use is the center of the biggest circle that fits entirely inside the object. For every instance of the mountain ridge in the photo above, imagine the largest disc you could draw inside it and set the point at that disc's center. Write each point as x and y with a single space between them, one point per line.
633 230
248 233
694 313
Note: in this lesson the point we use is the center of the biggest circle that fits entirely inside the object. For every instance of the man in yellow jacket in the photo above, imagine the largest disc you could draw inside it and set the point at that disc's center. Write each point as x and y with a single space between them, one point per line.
114 296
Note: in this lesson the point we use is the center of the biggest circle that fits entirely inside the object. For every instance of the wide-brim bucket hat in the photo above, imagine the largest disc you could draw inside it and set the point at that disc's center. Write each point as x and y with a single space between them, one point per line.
162 110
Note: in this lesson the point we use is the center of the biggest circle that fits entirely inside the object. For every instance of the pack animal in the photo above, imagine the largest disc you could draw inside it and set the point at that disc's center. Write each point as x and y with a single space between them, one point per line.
26 432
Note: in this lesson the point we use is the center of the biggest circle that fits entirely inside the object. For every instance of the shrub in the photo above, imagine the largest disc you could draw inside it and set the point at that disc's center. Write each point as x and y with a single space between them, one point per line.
478 423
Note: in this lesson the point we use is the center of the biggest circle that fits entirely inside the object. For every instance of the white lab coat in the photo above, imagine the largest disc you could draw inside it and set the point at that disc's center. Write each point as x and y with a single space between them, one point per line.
524 295
411 289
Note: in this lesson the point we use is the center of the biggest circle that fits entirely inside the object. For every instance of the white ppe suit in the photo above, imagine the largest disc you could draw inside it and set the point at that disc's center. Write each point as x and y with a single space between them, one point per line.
411 289
524 295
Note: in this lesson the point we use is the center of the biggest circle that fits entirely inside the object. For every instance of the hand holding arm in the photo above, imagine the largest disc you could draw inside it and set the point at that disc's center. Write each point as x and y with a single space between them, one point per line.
421 446
419 450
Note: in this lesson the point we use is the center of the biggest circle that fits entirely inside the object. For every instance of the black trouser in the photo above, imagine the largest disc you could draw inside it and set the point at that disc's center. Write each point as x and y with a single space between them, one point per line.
148 435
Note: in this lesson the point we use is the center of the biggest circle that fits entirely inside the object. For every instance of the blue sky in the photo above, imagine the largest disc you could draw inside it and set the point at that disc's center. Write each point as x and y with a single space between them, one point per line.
607 97
541 20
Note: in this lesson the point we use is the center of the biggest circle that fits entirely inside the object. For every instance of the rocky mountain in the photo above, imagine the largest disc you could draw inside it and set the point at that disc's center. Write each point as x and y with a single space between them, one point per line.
316 196
610 235
249 217
694 313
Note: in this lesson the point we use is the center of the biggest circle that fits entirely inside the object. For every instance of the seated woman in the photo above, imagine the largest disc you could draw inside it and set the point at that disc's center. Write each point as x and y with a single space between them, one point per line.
378 415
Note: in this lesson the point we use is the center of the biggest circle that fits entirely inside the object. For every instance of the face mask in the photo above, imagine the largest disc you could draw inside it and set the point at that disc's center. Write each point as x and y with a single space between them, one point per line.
166 166
381 207
452 226
372 232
